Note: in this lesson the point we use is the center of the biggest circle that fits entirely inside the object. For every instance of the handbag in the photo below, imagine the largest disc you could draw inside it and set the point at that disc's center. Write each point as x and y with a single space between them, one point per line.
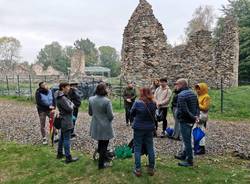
143 148
198 134
58 122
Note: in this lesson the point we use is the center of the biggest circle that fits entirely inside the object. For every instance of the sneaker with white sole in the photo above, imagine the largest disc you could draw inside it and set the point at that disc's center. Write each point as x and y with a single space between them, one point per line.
45 142
56 139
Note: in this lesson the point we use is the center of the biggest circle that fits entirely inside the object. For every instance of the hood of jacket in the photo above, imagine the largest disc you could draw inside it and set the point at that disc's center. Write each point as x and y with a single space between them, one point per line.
43 91
58 94
202 89
203 97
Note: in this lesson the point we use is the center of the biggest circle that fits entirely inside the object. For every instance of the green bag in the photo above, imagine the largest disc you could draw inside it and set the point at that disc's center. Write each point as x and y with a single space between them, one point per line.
123 151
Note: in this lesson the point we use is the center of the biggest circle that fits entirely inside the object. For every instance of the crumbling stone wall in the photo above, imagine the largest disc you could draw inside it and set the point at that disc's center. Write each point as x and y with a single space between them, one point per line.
196 59
146 54
227 53
145 49
77 68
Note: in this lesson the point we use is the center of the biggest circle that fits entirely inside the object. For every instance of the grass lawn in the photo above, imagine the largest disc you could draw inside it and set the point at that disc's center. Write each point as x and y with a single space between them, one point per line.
236 104
29 164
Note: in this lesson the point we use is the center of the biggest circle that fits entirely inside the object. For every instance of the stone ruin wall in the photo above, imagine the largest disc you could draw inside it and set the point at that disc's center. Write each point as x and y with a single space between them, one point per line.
146 54
77 65
226 54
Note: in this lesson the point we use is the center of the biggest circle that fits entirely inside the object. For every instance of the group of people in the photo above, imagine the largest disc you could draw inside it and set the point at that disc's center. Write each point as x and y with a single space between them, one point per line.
189 109
67 100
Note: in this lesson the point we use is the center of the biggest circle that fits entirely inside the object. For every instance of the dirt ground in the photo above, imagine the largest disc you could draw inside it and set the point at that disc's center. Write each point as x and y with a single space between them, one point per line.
20 123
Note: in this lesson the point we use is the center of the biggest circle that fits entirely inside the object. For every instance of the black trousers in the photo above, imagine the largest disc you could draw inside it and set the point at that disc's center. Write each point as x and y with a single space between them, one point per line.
102 150
165 122
127 113
75 113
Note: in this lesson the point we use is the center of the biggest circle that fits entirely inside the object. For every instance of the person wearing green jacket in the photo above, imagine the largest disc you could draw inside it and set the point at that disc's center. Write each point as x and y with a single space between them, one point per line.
129 96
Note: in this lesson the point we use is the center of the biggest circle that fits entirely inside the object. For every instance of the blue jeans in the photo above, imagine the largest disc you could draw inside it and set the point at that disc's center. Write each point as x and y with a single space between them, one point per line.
64 142
144 137
186 132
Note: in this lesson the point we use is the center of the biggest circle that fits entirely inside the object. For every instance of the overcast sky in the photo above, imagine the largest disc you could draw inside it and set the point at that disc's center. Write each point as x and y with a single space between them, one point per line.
38 22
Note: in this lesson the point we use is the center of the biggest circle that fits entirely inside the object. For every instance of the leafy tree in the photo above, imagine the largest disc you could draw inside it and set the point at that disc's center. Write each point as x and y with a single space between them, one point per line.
69 51
110 59
203 19
91 53
240 9
54 55
9 52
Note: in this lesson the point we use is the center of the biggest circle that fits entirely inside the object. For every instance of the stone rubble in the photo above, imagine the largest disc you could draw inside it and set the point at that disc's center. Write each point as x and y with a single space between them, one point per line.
20 123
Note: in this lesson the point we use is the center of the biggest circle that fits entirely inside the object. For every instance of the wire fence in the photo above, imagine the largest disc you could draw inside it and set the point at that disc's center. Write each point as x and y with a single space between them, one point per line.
25 86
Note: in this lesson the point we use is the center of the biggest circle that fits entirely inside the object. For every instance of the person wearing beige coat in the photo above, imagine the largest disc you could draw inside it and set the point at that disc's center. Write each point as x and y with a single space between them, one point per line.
162 97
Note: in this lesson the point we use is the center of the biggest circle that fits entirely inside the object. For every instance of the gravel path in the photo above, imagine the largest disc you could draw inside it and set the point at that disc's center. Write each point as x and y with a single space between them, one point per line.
20 123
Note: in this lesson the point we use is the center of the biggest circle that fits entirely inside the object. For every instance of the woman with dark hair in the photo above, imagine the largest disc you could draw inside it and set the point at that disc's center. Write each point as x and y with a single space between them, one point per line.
155 85
65 107
143 112
100 108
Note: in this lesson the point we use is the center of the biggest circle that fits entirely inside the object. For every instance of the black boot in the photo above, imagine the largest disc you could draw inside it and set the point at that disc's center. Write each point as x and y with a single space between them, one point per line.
69 159
180 157
186 163
60 156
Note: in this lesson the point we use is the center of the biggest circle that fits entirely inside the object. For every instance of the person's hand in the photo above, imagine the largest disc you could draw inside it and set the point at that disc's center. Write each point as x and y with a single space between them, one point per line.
53 110
129 100
51 107
158 104
197 119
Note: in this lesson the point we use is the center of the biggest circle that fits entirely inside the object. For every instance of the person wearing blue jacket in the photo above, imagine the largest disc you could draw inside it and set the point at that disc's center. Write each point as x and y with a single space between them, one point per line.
188 115
142 112
45 103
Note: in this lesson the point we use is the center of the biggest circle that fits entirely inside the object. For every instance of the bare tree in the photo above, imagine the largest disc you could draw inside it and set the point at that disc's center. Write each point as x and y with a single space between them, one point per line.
203 19
9 53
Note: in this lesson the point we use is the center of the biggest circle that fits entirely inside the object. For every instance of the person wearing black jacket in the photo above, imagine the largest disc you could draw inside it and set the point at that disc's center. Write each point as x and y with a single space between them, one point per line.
129 96
176 134
74 96
188 115
45 104
65 107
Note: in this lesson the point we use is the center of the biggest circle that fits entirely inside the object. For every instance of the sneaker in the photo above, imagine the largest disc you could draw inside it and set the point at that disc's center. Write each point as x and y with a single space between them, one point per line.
151 171
45 142
137 172
56 139
70 159
106 165
186 164
73 135
163 135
